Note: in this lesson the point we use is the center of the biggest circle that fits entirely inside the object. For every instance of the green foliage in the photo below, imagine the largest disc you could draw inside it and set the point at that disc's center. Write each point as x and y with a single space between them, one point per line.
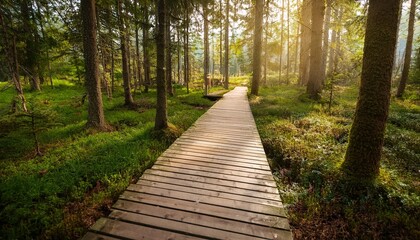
306 145
58 194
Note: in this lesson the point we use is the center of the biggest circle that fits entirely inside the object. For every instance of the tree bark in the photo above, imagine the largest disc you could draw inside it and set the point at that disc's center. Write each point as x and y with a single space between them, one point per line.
408 50
186 51
9 45
367 133
305 42
256 64
325 41
169 88
288 44
281 41
314 86
96 117
146 55
128 98
226 58
31 46
206 48
161 120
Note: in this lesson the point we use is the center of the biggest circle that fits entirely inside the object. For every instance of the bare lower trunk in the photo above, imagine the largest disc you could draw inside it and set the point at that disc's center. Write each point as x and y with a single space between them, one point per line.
206 48
226 66
161 120
367 132
314 86
256 64
96 117
408 49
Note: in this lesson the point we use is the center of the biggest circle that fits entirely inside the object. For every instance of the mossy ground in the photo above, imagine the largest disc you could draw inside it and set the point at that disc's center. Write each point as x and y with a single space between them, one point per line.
306 143
58 195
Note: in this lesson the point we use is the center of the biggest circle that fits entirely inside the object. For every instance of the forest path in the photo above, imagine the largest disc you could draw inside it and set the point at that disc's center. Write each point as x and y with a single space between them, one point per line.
213 182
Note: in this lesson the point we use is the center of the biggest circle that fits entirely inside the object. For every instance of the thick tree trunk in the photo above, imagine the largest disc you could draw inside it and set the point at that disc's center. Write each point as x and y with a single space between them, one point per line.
314 86
305 42
408 50
96 117
128 98
226 58
256 64
161 120
146 55
169 88
367 133
325 41
206 48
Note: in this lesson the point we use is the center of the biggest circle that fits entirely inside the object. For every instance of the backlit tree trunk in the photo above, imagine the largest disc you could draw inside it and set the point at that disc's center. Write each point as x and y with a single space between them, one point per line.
226 65
96 117
408 49
325 41
161 120
256 63
146 57
206 47
367 133
314 86
305 42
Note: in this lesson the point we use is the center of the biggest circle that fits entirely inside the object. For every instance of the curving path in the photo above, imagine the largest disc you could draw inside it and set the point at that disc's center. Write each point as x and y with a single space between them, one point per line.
214 182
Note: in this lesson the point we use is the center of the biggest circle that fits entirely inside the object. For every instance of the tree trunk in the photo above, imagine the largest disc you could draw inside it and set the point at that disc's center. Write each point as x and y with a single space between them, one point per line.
408 50
325 41
161 120
96 117
288 43
256 64
226 58
206 47
295 68
186 51
281 41
267 10
305 42
367 133
146 57
31 46
9 45
314 86
128 98
169 88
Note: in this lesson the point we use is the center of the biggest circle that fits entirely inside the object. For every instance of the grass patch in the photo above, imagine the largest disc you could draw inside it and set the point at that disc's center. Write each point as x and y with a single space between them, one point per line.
60 194
306 144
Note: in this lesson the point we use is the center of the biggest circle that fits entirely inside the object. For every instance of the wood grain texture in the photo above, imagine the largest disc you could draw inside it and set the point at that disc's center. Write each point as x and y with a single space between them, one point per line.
214 182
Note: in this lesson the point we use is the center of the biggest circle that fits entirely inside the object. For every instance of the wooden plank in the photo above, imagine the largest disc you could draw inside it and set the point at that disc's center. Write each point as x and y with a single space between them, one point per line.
144 182
163 160
222 151
97 236
254 181
216 201
207 168
215 181
134 231
236 148
212 160
216 188
207 209
218 156
202 220
176 226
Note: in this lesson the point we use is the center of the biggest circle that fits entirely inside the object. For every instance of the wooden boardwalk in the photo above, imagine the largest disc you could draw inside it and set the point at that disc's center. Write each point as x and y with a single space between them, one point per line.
214 182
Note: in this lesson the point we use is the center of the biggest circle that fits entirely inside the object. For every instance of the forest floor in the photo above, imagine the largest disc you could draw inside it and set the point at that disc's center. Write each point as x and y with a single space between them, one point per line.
306 142
60 194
